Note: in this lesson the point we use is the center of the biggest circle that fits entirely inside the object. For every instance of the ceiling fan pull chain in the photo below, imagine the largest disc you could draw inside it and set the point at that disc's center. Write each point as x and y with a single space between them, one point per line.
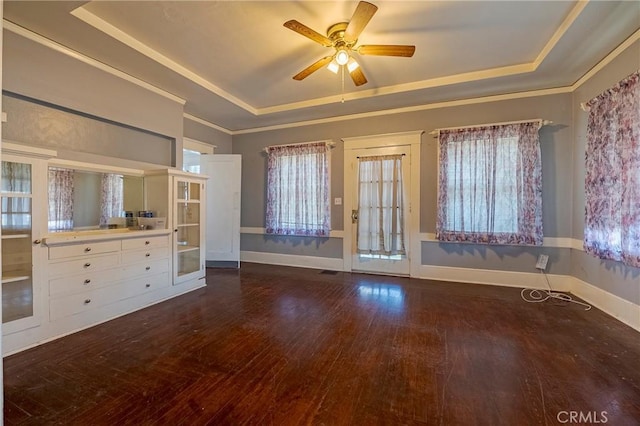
342 68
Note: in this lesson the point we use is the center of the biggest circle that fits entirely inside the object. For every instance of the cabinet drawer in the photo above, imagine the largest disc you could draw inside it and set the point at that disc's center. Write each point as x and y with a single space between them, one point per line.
150 242
142 285
147 255
149 268
83 282
78 266
60 307
88 249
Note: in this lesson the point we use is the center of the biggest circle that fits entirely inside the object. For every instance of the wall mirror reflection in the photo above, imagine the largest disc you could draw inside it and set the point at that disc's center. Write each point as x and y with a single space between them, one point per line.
85 200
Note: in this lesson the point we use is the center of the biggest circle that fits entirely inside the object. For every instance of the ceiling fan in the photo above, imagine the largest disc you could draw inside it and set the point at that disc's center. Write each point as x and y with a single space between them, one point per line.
342 37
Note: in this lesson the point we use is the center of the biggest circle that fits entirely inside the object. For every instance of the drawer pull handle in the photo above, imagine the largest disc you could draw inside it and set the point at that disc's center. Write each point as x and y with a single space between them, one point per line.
88 249
87 301
147 268
146 243
147 254
147 285
87 281
86 265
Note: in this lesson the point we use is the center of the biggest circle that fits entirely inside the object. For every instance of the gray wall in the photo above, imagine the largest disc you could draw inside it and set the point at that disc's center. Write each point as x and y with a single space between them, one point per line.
202 133
610 276
34 71
38 72
112 108
34 123
556 147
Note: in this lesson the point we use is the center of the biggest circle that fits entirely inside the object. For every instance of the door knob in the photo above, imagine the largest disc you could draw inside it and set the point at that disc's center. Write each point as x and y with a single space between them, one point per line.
37 241
354 216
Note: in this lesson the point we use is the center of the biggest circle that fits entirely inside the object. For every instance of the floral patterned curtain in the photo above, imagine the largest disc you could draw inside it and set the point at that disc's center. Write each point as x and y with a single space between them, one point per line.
298 190
612 168
60 199
380 205
111 197
490 185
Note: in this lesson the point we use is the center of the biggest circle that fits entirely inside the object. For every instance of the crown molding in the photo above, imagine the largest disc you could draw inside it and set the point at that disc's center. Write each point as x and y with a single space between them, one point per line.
114 32
491 73
607 59
111 30
30 35
445 104
207 123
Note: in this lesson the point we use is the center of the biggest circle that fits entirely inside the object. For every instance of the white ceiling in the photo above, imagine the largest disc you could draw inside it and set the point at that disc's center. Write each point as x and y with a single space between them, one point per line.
233 61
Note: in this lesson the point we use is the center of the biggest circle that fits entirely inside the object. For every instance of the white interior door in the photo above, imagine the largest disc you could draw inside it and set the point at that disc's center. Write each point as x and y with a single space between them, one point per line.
393 264
223 206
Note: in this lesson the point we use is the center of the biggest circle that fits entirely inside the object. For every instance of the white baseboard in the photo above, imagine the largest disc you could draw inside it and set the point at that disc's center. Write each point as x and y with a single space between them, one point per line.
493 277
621 309
312 262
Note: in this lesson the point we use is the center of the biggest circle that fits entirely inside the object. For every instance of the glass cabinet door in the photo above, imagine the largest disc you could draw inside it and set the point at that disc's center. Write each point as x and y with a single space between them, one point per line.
189 247
17 257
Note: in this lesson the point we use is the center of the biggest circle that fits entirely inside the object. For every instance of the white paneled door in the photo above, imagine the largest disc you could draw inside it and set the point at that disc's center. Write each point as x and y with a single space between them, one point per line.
223 206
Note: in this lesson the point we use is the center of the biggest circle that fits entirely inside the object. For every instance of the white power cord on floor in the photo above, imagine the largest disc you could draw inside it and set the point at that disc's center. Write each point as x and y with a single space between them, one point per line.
539 295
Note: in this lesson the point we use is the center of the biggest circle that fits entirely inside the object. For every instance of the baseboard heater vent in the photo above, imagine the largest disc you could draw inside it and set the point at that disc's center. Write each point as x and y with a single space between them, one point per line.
327 272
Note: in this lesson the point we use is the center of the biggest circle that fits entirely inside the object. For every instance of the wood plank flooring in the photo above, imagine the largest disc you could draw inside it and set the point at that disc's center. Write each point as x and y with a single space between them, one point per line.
271 345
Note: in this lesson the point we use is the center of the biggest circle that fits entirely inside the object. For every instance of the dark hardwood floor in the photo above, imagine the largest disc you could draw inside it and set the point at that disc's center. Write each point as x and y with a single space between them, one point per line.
270 345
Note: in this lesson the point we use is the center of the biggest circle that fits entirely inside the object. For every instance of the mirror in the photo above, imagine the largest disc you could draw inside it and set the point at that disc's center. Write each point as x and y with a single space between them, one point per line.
83 200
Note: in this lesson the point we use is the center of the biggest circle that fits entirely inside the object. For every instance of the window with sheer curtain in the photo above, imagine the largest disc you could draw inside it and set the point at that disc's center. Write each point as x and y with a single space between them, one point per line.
490 185
16 209
298 190
612 174
111 197
61 187
380 206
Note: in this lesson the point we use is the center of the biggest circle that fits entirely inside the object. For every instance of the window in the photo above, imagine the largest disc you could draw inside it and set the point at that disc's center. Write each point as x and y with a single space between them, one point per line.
298 190
111 197
191 152
190 161
490 185
612 174
16 202
380 207
61 187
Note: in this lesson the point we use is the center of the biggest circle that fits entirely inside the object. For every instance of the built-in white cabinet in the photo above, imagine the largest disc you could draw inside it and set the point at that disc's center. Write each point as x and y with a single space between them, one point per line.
57 281
181 197
90 273
223 208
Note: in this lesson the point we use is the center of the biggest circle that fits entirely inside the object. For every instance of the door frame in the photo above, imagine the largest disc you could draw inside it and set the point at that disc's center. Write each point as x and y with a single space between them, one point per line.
413 139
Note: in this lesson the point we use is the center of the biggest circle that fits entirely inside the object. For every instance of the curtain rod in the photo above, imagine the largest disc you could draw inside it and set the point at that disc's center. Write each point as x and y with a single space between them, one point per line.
540 121
328 143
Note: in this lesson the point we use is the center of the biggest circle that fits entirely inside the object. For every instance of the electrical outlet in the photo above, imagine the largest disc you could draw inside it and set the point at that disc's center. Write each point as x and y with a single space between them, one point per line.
542 262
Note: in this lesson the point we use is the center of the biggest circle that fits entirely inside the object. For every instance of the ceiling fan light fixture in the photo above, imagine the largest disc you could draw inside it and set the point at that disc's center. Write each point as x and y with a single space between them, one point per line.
352 65
342 57
333 67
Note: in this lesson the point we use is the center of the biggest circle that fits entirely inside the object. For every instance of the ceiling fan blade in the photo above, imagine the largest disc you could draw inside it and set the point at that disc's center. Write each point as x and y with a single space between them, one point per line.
361 17
312 68
358 77
387 50
308 32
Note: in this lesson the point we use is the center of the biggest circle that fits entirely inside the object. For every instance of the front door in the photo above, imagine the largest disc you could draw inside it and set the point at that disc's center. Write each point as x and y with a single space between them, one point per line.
380 209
